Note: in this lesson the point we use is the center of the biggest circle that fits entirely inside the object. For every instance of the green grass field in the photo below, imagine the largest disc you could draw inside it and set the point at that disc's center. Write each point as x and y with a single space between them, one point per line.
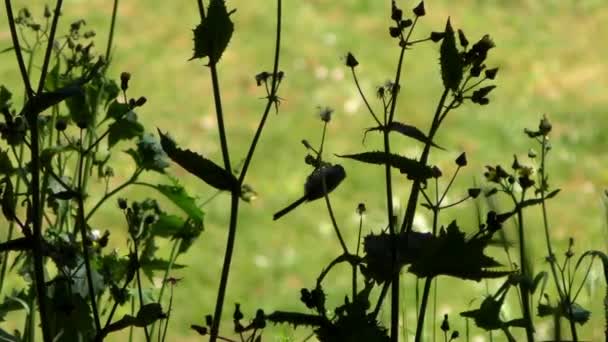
552 58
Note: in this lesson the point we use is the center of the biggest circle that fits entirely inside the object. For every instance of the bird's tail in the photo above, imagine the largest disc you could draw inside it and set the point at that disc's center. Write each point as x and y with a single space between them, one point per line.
289 208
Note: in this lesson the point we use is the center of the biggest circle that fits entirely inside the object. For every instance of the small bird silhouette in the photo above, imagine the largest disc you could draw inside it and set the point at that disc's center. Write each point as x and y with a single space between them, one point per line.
313 188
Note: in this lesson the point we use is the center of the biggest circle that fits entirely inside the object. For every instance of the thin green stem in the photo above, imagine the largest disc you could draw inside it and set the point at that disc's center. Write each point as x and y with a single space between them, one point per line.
81 222
139 287
130 181
112 27
369 108
525 291
272 97
18 53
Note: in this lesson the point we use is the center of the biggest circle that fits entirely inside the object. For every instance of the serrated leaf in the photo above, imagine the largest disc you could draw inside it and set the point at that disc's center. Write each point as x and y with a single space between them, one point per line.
178 195
212 35
123 129
407 130
411 167
199 166
450 60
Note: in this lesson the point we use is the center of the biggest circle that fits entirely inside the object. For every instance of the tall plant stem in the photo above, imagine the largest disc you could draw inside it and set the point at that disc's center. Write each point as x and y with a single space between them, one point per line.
415 190
234 203
112 27
82 225
525 291
423 304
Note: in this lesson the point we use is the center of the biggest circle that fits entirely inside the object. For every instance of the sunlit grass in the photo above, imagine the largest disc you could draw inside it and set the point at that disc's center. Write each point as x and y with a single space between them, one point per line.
551 60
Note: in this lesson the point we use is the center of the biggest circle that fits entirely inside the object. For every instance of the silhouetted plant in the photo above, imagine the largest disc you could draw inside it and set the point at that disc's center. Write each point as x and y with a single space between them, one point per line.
75 281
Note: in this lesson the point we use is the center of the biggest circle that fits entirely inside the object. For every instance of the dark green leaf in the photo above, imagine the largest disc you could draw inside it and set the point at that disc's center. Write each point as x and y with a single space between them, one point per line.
178 195
41 102
579 315
167 226
5 97
124 129
17 301
159 265
407 130
542 276
6 337
212 35
451 63
545 310
117 110
411 167
146 315
199 166
8 200
6 166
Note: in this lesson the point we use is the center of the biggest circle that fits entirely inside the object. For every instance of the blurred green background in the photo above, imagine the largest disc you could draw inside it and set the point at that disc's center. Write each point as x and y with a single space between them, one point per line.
551 56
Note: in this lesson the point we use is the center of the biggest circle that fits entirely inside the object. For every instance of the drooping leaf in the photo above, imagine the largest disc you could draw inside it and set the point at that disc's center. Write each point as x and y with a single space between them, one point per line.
450 60
41 102
147 314
407 130
411 167
15 302
212 35
535 201
199 166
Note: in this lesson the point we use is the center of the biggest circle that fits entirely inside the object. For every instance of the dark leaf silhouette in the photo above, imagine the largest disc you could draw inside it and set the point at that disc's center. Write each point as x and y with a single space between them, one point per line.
146 315
212 35
199 166
411 167
451 62
449 253
407 130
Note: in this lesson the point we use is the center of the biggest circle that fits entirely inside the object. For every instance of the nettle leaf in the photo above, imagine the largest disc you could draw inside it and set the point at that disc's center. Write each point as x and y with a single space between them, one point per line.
407 130
411 167
199 166
212 35
124 129
535 201
146 315
71 313
450 60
